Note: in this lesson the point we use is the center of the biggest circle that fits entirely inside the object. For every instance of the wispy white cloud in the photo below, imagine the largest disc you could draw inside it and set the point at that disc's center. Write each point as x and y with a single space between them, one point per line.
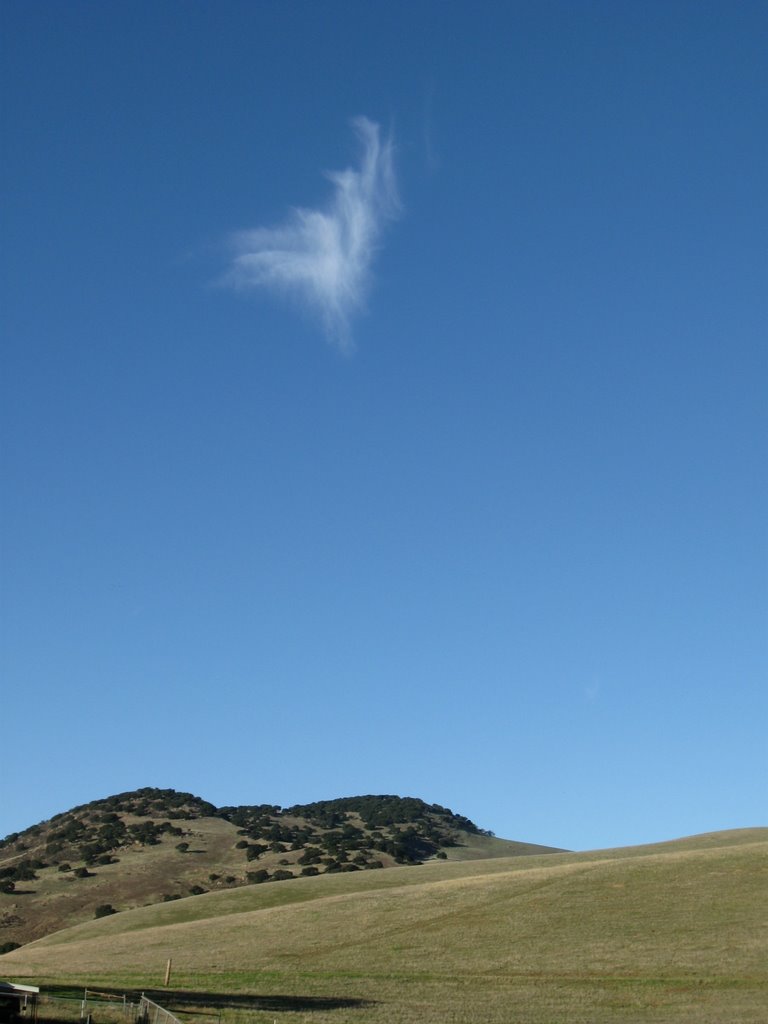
592 691
323 257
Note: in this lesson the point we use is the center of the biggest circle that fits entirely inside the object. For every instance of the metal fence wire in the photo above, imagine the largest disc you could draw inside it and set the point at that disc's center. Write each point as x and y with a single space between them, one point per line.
58 1008
150 1013
117 1003
93 1007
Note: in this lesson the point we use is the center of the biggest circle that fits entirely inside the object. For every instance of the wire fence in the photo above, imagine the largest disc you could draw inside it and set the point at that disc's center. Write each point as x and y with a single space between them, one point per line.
127 1007
150 1013
89 1007
95 1007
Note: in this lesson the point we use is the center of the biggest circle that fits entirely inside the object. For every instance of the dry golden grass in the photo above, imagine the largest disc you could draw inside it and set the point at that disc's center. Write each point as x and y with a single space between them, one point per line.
142 876
147 873
676 932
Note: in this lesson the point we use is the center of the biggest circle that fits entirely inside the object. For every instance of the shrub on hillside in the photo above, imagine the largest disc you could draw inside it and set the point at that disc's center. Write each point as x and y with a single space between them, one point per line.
24 871
311 855
255 850
104 910
90 852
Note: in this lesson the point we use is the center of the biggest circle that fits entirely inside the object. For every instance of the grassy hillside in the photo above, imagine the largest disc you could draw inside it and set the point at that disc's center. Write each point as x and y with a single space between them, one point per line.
675 932
152 846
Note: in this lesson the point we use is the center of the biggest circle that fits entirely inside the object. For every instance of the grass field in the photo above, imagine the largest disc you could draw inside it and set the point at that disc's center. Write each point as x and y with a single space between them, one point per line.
674 932
140 874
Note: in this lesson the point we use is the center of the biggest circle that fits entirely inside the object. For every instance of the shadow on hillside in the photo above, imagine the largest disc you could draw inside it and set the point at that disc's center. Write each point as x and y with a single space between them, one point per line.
182 1002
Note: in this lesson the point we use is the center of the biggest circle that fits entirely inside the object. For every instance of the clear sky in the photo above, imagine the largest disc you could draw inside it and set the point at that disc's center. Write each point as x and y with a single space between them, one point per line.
384 408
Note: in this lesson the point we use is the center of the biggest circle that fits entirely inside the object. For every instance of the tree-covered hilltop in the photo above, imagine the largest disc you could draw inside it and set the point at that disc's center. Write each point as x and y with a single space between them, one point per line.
331 833
151 802
376 811
407 829
350 830
153 845
92 832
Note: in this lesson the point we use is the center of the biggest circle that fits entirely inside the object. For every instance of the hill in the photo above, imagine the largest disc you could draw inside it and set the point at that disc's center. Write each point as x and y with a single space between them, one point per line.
157 845
670 933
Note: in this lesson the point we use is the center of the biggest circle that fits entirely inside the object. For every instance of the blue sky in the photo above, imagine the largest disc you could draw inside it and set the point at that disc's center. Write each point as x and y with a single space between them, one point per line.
383 409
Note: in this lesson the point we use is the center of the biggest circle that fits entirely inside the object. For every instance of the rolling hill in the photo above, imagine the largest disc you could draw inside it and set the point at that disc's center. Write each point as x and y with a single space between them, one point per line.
673 932
158 846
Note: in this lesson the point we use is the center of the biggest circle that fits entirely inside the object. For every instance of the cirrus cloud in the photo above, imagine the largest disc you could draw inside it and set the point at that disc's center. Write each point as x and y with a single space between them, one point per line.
323 257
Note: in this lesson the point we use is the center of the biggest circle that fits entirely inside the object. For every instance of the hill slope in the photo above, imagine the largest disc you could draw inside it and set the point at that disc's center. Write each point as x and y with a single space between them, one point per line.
675 932
153 846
